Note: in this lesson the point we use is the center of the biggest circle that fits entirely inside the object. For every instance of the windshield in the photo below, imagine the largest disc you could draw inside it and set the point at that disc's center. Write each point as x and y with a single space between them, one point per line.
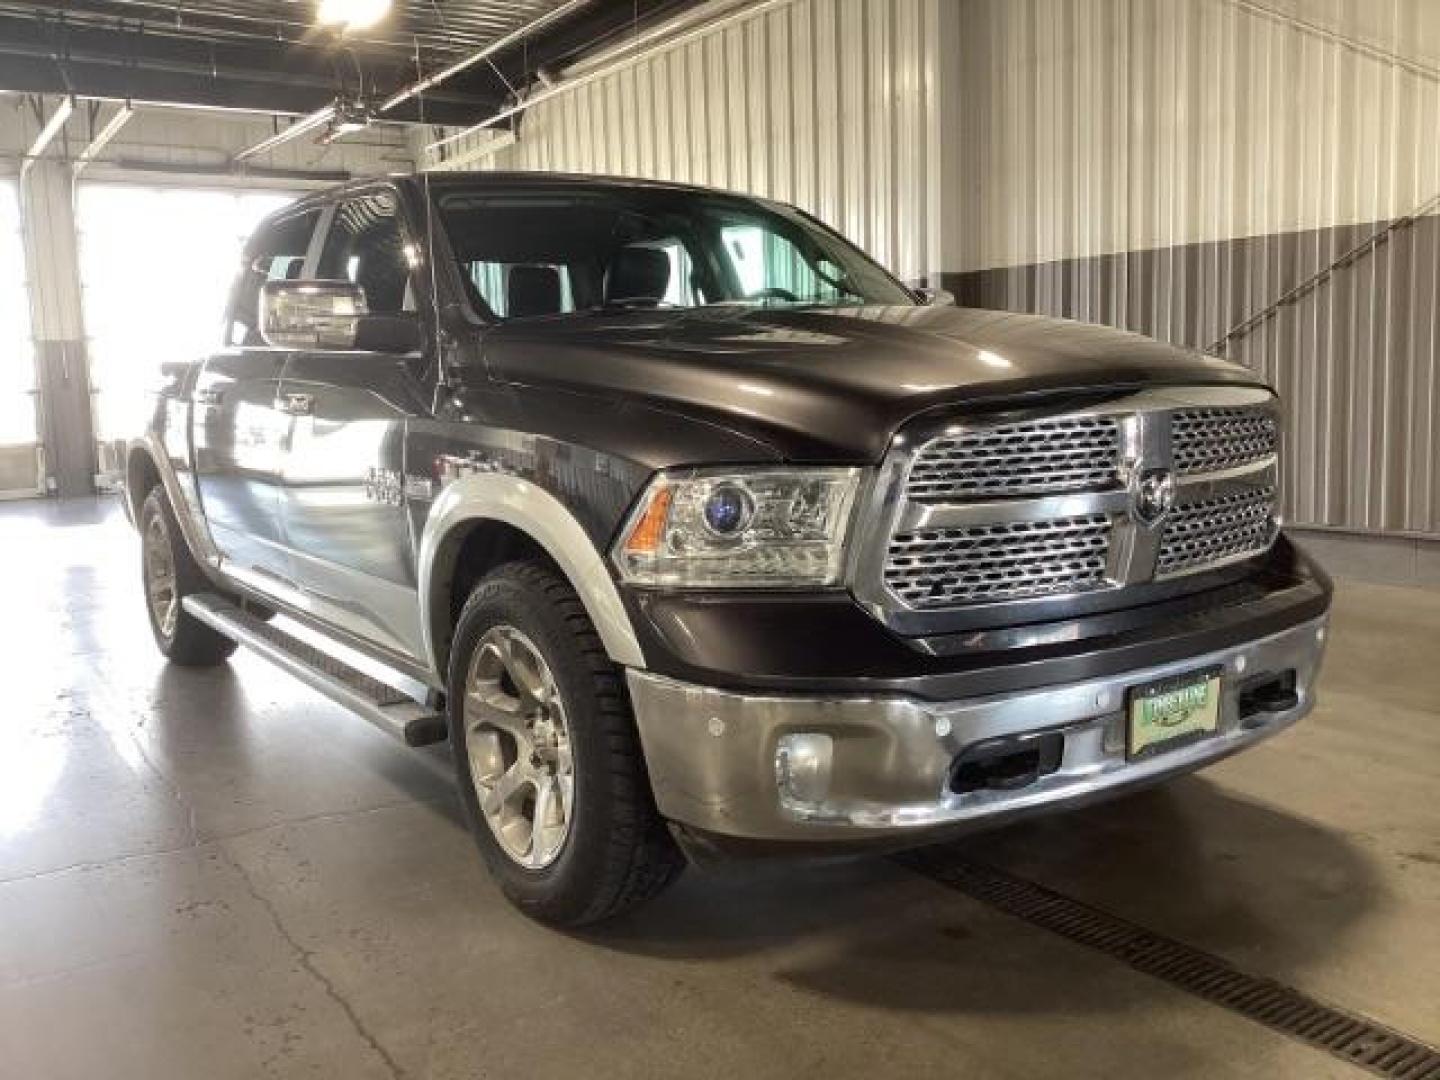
557 251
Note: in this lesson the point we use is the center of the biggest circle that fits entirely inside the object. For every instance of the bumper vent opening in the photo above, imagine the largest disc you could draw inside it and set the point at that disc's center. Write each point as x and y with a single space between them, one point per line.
1267 695
1006 764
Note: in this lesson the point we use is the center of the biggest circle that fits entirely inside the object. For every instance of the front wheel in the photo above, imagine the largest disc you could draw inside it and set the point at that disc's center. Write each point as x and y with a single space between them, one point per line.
170 574
549 762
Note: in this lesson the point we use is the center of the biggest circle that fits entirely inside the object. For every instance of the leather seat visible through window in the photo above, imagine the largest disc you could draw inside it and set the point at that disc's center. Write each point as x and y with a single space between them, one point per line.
638 274
532 290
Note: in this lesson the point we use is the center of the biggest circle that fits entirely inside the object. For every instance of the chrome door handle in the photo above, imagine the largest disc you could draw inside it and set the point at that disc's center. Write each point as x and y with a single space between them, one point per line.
297 404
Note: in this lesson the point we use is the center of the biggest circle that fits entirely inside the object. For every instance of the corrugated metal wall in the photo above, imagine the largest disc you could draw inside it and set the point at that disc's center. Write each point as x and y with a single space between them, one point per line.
1175 167
828 104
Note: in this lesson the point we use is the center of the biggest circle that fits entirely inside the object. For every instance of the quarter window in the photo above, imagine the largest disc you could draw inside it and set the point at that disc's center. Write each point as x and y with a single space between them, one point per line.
366 245
275 253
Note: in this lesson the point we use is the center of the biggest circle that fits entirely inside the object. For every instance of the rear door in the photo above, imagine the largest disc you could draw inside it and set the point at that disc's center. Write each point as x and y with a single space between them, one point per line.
240 432
343 491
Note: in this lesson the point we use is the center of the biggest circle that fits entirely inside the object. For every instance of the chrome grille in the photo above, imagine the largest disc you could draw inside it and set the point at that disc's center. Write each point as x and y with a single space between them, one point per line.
1046 456
1210 440
1215 530
1002 561
1048 506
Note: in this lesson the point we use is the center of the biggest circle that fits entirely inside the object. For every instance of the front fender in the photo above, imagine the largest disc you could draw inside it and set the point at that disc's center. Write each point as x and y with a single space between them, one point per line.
531 509
146 457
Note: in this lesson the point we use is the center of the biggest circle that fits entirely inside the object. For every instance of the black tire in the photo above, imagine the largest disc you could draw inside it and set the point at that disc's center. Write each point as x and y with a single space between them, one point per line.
187 641
617 852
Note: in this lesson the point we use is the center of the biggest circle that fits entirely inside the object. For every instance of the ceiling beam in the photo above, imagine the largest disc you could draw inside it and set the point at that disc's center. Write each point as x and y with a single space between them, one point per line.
43 57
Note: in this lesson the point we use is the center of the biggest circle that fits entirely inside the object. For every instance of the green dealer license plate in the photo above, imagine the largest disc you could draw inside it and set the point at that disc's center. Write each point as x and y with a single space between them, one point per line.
1174 710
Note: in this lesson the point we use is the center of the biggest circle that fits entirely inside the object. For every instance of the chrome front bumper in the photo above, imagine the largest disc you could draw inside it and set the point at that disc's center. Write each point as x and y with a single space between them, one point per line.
712 754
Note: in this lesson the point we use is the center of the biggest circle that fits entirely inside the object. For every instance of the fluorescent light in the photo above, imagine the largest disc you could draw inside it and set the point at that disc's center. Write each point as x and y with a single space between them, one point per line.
352 14
47 133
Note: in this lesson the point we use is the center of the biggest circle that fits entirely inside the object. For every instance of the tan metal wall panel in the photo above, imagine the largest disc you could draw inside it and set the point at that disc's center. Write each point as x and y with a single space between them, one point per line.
1175 167
823 103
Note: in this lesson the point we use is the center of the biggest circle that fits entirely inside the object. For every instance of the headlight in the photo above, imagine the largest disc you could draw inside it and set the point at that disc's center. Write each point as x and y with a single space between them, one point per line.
767 527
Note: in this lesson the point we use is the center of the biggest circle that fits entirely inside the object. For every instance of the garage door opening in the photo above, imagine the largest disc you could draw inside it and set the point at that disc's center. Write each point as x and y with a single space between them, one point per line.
19 471
155 265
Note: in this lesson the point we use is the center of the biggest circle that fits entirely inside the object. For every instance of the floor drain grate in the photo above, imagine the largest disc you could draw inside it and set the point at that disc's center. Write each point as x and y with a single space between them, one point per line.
1349 1037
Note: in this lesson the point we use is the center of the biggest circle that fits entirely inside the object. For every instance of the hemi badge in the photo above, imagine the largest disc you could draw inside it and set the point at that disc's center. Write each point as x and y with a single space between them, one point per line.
419 487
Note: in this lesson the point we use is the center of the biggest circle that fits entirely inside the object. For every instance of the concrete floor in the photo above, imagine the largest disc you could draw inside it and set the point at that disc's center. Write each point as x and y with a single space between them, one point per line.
220 874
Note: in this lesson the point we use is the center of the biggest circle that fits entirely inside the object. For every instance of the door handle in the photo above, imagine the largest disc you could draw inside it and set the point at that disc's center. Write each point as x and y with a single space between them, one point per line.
208 396
297 404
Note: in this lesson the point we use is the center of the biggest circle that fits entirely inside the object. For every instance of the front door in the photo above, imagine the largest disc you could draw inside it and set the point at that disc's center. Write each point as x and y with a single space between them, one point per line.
343 485
240 428
240 439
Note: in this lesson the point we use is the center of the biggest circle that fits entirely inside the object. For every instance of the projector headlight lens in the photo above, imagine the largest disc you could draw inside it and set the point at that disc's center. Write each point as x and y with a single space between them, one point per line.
780 528
728 509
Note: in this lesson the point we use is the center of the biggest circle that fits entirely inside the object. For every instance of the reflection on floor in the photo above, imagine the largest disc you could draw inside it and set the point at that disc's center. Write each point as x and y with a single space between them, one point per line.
219 874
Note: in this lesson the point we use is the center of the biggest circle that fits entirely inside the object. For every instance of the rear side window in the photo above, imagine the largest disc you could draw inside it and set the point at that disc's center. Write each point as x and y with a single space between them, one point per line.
365 245
495 282
275 253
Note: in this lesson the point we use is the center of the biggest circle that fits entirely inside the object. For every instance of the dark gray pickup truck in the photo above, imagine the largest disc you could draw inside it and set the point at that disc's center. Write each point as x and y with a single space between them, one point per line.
695 532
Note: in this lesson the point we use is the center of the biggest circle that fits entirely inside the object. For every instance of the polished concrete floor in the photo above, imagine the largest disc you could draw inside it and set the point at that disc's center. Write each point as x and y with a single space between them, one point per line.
219 874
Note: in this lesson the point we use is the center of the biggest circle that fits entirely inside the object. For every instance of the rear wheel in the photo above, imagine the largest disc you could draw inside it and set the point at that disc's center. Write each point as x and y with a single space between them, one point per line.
170 574
550 767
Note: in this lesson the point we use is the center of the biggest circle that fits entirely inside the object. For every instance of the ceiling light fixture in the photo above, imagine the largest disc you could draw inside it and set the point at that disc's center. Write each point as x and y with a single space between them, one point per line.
352 14
349 117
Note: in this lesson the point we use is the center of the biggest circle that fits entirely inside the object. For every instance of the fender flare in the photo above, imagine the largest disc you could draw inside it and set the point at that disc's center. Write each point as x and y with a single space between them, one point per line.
194 533
531 509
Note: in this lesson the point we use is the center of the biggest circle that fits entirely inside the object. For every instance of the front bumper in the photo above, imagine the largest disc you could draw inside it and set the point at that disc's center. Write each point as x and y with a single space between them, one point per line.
712 754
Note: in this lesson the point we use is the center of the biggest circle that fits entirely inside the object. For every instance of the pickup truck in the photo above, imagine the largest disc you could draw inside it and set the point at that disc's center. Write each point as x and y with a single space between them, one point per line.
696 533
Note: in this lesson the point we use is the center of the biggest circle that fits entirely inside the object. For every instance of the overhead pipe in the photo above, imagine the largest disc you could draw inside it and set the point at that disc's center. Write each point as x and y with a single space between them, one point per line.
324 115
498 45
631 56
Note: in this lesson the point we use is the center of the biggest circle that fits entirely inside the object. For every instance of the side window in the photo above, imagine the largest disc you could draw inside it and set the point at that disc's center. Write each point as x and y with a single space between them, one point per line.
496 282
365 245
681 290
275 252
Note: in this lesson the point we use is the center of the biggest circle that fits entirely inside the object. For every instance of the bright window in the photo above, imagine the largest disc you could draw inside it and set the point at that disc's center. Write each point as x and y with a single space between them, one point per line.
764 260
155 266
17 358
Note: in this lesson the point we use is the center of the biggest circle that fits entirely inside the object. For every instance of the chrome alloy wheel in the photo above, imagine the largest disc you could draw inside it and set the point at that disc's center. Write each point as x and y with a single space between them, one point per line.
160 580
518 744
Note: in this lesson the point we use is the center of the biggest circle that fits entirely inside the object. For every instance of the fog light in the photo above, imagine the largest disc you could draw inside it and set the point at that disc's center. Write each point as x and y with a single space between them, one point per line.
802 768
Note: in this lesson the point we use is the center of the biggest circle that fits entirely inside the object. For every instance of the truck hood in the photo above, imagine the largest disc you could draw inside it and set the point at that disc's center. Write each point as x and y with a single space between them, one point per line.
833 384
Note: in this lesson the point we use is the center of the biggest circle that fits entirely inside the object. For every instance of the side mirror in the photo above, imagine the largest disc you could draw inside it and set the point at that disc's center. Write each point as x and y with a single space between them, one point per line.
310 314
331 315
934 297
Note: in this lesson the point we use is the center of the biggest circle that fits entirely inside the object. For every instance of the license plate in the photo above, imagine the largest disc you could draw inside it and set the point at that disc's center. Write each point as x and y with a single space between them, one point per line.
1175 710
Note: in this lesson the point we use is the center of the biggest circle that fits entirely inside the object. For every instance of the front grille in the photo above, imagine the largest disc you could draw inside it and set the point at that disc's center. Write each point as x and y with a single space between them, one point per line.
1002 561
1215 530
1044 457
1210 440
965 529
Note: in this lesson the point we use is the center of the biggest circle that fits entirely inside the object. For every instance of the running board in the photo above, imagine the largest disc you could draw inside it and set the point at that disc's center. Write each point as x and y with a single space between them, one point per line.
389 709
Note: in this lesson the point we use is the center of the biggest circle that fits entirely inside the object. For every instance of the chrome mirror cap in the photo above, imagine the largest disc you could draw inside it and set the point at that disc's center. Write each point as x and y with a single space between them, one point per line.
311 314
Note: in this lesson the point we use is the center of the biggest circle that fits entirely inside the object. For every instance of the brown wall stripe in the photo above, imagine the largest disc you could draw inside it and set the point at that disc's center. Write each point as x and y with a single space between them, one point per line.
1355 358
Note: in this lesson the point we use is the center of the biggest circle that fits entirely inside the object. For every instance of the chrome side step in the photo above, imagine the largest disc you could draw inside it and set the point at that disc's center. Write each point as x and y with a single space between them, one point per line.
389 709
